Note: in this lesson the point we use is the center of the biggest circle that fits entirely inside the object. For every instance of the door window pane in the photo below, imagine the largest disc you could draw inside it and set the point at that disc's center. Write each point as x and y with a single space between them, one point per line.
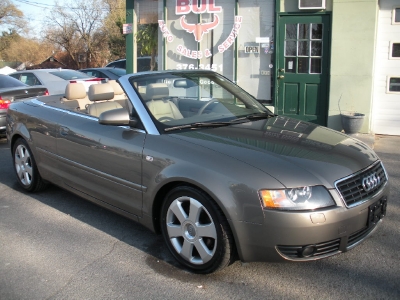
303 65
290 48
303 49
304 31
316 48
316 33
291 31
316 66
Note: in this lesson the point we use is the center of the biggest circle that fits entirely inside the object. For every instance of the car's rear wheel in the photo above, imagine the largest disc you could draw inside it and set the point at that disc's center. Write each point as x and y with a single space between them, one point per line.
196 231
25 167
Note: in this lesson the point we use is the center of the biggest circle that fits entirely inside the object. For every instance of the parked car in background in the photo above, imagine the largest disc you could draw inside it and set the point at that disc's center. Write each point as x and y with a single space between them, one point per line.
194 157
55 80
106 72
143 64
12 90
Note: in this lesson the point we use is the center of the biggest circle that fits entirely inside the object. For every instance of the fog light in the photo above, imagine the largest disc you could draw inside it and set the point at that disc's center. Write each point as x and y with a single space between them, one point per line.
308 251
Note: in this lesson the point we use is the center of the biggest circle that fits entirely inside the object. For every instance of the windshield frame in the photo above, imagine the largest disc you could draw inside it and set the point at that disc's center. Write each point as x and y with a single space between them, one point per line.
244 104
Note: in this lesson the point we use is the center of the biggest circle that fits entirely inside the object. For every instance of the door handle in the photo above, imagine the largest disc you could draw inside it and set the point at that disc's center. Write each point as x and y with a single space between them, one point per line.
281 76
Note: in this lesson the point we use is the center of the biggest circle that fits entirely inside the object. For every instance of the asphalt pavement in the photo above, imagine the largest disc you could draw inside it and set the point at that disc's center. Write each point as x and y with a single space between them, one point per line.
54 245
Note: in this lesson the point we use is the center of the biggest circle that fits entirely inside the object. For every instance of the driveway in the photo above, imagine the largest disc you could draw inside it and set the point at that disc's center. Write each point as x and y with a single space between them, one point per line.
54 245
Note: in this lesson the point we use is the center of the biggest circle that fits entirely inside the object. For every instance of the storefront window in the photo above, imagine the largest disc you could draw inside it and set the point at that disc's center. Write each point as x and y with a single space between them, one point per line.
231 37
254 69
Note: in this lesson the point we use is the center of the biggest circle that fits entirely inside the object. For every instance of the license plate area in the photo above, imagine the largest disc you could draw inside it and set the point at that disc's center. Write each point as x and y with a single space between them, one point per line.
376 212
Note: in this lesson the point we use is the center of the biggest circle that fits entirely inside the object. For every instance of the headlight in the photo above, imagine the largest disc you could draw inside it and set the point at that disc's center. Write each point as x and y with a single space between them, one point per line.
302 198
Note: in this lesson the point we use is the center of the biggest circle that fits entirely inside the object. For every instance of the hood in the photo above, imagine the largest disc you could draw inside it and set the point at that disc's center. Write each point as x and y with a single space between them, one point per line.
294 152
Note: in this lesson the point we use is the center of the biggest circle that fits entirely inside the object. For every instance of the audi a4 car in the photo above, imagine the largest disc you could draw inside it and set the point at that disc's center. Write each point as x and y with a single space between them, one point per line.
194 157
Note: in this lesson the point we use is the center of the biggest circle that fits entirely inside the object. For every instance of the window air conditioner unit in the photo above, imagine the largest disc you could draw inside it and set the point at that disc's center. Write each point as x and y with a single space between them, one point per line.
311 4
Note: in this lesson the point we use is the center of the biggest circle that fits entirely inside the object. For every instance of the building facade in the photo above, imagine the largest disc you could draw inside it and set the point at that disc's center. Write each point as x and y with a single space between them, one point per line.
308 59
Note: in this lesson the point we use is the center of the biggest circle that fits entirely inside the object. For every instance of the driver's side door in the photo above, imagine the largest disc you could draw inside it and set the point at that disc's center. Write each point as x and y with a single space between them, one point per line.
104 162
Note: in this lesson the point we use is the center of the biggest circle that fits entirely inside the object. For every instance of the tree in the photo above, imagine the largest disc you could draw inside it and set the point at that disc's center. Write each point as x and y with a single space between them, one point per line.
28 51
77 27
113 23
147 38
6 39
11 16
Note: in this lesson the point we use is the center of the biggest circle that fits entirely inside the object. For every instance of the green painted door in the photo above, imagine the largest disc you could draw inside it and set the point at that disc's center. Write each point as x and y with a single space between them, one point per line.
303 67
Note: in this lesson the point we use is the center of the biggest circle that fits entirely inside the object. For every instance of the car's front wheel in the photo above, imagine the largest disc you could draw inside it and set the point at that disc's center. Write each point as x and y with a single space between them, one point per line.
25 167
196 231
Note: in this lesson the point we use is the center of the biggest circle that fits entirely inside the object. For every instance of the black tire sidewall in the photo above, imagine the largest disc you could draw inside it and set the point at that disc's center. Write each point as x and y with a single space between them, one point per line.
186 191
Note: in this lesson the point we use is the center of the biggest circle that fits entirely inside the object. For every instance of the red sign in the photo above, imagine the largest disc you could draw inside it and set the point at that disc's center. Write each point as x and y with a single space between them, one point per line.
185 7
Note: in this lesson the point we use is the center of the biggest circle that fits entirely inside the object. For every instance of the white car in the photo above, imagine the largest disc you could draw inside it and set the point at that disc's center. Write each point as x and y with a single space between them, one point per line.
55 80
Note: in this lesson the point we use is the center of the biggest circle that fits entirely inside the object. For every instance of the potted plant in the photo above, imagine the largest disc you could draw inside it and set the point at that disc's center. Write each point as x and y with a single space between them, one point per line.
351 121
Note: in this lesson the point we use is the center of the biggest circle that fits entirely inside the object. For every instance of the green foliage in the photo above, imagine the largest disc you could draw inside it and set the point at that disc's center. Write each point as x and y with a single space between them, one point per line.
147 38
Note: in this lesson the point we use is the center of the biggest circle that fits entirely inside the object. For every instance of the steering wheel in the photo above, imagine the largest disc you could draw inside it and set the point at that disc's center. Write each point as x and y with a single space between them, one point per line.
205 106
165 119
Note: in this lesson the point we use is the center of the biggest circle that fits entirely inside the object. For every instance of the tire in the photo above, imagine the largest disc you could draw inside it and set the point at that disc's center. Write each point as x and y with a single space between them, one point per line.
195 230
25 167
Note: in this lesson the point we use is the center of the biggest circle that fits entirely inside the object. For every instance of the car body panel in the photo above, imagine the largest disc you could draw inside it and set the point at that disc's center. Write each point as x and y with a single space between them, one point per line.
288 157
130 169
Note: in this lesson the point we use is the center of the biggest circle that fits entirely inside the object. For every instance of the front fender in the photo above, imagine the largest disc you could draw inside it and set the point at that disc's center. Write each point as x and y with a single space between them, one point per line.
232 184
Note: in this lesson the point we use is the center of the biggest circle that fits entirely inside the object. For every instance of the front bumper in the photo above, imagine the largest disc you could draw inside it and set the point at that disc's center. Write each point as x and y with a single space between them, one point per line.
303 236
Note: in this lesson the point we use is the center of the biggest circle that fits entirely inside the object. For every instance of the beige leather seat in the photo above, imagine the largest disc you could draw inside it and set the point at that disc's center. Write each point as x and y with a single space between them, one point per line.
76 91
100 94
162 109
119 93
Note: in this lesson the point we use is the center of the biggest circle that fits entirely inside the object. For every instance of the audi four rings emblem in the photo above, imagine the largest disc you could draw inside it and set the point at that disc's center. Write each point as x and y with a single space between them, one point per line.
370 182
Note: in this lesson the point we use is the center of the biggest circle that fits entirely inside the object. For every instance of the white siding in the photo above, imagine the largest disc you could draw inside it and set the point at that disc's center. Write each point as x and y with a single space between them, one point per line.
386 106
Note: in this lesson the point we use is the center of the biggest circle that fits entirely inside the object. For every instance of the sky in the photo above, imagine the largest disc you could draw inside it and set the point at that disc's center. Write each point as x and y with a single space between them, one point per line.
35 11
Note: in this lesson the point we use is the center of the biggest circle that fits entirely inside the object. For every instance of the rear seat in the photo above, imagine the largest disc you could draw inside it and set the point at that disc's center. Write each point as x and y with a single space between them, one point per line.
76 92
100 96
119 94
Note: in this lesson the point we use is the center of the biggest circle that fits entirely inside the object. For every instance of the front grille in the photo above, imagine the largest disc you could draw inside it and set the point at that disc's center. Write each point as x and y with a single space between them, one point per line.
321 249
351 188
358 236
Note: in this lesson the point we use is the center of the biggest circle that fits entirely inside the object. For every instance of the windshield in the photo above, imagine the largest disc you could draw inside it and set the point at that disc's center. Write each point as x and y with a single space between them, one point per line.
9 82
118 72
181 99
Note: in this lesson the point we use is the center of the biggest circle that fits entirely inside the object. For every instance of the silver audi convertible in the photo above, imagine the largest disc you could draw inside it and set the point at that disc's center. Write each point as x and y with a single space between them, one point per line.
192 156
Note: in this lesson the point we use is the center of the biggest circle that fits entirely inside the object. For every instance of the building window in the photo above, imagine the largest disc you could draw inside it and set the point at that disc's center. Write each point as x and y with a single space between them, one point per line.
396 16
394 50
393 85
303 48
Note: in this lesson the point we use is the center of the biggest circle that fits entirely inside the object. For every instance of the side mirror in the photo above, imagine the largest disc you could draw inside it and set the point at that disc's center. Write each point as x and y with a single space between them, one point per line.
117 117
